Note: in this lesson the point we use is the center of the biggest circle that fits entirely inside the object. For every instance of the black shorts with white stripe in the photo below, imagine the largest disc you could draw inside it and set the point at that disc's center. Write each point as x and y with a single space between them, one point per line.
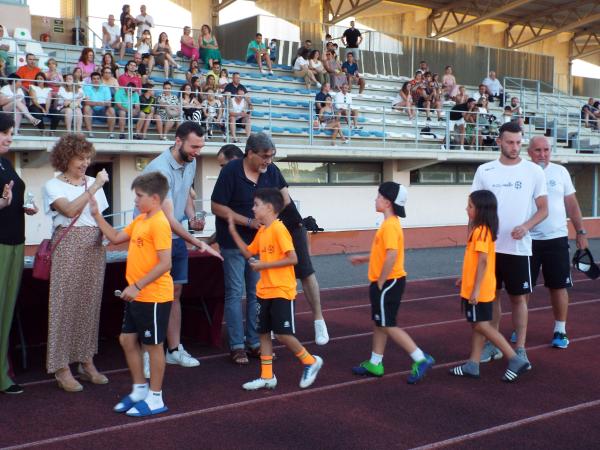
481 312
386 301
276 315
514 273
148 319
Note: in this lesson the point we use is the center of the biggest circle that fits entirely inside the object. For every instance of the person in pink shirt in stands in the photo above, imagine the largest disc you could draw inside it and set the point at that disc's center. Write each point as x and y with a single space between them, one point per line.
131 76
188 48
86 63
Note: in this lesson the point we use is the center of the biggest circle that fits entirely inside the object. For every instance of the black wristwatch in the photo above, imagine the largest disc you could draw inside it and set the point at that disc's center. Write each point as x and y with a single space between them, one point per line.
582 232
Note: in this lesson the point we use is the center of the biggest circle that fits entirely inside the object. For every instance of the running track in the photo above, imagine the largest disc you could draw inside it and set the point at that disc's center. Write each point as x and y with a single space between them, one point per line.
556 405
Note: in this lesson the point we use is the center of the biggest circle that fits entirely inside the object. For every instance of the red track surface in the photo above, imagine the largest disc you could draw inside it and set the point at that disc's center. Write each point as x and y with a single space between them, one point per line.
556 405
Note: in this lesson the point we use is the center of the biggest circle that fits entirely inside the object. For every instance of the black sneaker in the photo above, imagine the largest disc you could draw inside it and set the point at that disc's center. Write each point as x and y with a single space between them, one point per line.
13 389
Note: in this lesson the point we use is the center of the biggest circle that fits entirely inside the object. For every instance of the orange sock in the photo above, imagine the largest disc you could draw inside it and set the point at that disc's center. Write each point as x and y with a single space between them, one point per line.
305 357
266 367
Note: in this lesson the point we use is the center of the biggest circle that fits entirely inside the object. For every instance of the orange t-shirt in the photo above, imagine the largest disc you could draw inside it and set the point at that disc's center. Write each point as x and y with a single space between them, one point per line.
147 236
271 244
480 241
389 237
27 74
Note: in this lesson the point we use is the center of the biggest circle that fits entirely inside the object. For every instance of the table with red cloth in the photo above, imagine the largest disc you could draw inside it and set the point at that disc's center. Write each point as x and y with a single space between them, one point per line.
202 302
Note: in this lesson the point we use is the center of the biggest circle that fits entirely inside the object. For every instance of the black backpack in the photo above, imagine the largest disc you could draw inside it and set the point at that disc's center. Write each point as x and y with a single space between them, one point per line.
311 224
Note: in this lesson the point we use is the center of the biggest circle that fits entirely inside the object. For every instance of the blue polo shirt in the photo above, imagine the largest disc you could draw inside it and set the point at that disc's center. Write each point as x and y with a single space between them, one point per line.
234 190
180 177
350 68
97 93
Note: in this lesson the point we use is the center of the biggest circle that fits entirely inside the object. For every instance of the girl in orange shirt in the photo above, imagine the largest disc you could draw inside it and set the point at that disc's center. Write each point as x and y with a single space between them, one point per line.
478 287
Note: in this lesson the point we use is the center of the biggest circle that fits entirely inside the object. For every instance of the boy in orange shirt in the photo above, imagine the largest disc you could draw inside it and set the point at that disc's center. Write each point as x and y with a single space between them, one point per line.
275 290
388 279
149 294
478 287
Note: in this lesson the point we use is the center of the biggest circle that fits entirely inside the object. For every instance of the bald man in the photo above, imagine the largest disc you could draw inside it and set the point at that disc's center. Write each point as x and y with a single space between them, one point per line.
550 246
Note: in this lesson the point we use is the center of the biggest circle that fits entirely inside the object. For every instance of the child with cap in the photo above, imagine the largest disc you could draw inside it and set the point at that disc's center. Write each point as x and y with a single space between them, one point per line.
388 279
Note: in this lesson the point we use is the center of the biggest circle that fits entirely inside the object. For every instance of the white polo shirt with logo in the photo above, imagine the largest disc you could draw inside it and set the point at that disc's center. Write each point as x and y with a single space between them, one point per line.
516 188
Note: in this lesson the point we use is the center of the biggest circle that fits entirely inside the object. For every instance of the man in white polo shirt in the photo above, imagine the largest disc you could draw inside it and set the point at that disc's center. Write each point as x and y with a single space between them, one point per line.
343 105
520 188
550 237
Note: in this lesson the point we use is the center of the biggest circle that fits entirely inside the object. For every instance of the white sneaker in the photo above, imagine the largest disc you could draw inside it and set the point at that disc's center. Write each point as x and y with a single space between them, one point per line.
270 72
462 148
260 383
146 365
182 358
321 334
318 85
309 375
443 147
263 71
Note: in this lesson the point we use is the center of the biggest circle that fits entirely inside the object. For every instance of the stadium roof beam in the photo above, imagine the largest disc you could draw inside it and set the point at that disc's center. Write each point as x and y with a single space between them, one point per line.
551 24
218 5
439 21
584 44
342 9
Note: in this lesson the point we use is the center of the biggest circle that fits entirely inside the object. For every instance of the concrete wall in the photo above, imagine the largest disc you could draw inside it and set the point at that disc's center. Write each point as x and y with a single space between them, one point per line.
15 16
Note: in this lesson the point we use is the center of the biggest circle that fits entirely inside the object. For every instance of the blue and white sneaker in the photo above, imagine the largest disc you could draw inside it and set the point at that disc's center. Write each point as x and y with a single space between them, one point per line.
490 352
560 340
419 369
309 374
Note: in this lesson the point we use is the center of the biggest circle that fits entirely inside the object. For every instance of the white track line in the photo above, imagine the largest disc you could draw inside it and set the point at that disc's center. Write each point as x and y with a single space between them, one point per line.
338 338
509 425
235 405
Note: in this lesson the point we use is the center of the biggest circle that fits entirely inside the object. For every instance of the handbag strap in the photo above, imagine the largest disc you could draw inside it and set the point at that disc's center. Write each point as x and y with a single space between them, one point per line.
64 233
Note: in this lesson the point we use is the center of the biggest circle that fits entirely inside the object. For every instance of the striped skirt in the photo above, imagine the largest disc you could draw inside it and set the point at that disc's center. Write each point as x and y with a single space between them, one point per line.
76 281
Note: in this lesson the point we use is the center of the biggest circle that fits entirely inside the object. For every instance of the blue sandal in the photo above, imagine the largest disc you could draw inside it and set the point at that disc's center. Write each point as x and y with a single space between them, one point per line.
144 410
124 405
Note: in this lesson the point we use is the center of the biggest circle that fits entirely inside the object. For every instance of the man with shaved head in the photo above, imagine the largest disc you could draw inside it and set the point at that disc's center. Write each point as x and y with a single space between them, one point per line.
550 246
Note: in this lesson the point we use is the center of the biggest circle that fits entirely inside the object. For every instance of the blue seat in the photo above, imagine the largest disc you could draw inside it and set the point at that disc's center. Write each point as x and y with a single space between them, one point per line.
271 89
304 116
293 130
362 119
291 103
305 91
275 101
302 104
276 115
288 90
256 129
259 114
287 78
278 130
378 134
293 116
259 100
363 133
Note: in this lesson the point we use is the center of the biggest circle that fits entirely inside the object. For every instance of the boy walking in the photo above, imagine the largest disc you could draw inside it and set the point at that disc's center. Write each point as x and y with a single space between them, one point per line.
276 288
149 293
388 279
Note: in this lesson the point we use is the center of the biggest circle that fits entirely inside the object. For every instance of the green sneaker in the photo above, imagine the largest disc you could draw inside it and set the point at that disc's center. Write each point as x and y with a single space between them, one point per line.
367 368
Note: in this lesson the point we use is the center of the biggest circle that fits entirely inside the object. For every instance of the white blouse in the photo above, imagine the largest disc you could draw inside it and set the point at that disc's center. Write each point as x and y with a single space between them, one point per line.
41 94
63 94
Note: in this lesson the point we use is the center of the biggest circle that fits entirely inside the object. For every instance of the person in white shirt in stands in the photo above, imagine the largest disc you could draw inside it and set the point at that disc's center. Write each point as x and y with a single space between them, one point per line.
520 188
111 34
550 237
143 21
494 88
481 93
343 104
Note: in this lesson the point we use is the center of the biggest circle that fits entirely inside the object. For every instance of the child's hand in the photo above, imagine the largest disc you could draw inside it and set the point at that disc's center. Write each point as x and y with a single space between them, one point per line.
7 193
256 265
130 293
204 247
94 206
473 299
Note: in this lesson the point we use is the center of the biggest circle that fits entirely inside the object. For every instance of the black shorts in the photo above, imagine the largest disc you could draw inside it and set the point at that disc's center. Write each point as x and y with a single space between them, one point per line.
421 102
276 315
385 302
513 272
149 320
303 267
481 312
552 256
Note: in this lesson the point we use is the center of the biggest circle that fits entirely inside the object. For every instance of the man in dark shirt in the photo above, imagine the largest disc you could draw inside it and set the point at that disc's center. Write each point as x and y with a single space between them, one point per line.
352 37
457 120
351 69
590 113
233 87
321 96
234 195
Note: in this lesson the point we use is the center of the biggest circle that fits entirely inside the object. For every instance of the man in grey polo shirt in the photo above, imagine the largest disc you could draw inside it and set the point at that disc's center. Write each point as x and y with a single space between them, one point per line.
178 164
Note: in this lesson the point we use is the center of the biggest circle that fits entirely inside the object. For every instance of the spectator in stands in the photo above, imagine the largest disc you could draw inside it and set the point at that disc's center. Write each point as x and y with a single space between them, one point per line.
86 63
142 63
481 93
109 80
131 75
343 105
40 96
68 103
169 110
589 114
223 80
78 76
28 71
128 37
147 102
302 70
418 90
321 96
423 67
188 45
216 69
212 114
352 38
494 88
144 47
190 104
273 50
12 246
127 103
471 125
78 263
457 121
257 53
163 54
331 121
211 83
209 47
5 44
125 15
193 70
3 72
111 34
98 104
507 114
462 95
334 69
517 111
449 84
316 67
108 60
350 68
197 84
239 114
435 92
235 85
144 21
403 101
12 100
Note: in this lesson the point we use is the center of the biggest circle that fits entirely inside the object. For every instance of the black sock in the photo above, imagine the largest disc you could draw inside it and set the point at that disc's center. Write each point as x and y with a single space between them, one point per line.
171 350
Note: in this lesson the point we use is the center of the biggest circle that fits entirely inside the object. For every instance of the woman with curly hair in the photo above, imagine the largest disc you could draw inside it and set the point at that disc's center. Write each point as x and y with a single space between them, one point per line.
78 263
86 63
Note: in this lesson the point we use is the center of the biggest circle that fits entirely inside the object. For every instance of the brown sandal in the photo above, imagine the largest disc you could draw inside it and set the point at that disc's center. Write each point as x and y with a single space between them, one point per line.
239 356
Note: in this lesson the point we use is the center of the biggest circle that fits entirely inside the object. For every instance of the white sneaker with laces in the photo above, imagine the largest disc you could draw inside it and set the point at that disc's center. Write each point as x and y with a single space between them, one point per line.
182 358
270 72
309 375
321 334
261 383
146 365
